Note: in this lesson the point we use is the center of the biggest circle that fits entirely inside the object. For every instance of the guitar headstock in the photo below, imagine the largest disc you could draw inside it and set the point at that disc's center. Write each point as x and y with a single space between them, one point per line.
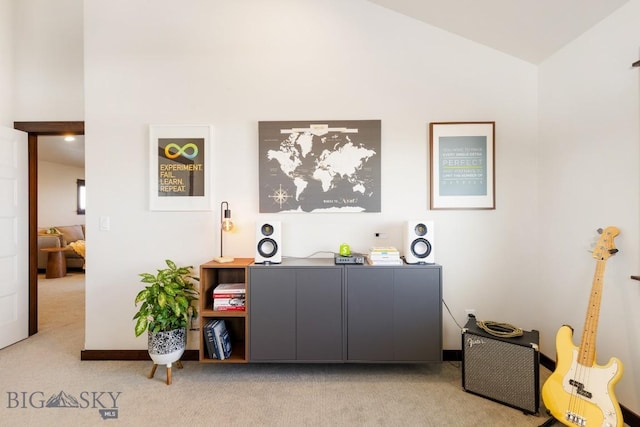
605 247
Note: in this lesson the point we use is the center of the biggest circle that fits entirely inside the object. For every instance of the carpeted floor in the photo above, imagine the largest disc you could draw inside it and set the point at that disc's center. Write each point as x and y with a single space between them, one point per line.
46 369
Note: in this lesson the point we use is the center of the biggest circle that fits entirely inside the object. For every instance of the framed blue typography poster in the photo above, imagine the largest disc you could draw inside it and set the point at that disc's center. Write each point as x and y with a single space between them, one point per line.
462 165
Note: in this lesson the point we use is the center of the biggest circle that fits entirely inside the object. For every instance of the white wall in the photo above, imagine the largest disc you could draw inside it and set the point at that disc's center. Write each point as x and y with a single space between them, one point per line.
589 133
57 194
48 81
6 63
232 65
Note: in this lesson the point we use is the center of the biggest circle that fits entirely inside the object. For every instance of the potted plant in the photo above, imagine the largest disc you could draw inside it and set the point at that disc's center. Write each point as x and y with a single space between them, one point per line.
166 311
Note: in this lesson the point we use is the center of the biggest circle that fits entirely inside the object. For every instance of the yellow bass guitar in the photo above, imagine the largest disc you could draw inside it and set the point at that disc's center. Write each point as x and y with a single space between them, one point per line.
579 392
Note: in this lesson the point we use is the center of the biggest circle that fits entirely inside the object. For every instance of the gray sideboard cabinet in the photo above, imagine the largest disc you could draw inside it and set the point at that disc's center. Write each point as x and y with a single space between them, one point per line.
394 313
296 311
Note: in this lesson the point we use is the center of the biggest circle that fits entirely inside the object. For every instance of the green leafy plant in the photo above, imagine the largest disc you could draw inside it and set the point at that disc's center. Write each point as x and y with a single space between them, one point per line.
167 300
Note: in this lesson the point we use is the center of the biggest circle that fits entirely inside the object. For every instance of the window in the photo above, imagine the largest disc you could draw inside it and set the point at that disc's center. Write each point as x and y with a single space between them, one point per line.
81 197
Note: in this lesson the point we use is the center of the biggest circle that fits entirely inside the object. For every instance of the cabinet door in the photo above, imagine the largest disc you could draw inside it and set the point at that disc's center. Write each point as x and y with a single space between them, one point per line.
319 314
272 313
369 314
417 316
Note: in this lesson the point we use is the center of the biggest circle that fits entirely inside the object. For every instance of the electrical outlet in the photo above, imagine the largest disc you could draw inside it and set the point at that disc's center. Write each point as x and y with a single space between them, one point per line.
470 312
381 235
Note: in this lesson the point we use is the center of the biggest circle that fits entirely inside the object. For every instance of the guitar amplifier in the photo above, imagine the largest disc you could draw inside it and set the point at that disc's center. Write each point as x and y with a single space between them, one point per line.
505 370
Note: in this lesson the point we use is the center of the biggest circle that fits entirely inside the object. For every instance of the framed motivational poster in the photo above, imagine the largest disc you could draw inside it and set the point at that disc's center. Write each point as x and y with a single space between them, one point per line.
462 165
180 167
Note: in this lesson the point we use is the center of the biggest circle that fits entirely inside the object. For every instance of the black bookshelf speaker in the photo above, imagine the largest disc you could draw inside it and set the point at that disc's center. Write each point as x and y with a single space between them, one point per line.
505 370
268 243
418 242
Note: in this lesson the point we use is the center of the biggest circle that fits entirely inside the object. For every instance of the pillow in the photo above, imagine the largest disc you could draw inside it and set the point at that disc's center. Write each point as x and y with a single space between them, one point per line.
70 233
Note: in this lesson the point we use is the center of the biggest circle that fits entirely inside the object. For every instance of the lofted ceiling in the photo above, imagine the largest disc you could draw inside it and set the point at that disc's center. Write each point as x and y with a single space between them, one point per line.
531 30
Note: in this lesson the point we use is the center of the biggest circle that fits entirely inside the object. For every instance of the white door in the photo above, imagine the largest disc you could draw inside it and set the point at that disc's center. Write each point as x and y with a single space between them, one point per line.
14 237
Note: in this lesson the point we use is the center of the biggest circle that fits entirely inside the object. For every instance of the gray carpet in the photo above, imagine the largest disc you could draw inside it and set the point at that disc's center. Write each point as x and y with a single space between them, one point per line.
47 367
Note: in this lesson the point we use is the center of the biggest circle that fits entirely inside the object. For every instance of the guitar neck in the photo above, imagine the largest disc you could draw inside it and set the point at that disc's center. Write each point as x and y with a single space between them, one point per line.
587 352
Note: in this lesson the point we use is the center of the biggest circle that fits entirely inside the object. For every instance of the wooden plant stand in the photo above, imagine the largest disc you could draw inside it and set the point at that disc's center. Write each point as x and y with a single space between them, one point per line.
155 366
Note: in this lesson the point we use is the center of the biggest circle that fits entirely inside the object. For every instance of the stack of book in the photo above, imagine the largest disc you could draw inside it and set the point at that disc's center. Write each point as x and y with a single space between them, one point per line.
384 256
216 339
229 296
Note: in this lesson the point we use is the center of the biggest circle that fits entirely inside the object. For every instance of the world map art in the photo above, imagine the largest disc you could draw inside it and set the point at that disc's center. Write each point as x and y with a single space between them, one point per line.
320 166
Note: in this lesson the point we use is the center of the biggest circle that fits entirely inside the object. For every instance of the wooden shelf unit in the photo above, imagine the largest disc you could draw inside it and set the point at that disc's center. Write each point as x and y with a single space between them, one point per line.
211 275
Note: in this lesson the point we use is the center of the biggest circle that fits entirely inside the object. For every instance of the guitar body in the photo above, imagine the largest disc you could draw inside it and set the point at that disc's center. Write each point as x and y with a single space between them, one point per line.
578 395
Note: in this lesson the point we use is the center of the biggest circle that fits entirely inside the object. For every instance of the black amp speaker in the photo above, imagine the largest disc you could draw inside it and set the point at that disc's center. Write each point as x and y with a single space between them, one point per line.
505 370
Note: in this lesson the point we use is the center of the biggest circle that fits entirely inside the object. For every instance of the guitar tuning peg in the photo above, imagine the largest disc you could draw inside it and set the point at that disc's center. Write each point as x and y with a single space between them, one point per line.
599 230
613 251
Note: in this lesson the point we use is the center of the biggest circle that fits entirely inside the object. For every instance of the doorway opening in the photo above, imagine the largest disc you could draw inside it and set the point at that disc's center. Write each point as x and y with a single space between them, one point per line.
34 130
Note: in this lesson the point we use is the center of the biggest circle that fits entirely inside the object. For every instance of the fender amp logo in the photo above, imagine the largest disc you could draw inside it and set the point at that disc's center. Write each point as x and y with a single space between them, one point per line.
474 341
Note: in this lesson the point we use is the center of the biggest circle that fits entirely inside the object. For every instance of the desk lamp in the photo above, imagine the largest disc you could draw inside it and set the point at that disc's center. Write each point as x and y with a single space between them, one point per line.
225 225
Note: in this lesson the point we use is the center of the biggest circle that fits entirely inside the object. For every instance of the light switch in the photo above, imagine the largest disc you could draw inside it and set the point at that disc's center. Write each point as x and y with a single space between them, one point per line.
105 223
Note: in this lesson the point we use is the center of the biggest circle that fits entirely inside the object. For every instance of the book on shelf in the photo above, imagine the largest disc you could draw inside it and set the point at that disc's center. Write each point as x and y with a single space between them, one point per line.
384 256
230 304
397 261
384 250
229 297
221 335
209 339
229 288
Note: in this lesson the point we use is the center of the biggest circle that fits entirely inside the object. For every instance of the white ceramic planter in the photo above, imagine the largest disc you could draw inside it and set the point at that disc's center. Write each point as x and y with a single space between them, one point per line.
167 347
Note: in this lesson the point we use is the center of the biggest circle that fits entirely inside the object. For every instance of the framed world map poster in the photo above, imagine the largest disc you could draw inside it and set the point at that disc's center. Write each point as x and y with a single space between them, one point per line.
319 166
